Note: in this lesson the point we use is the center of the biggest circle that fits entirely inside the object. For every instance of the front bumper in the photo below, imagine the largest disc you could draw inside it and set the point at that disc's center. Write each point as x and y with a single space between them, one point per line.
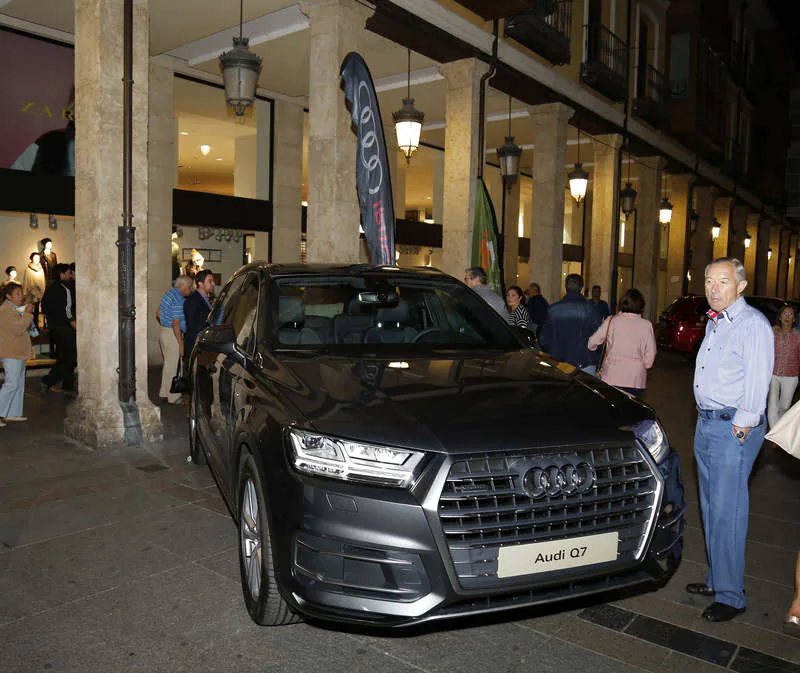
354 553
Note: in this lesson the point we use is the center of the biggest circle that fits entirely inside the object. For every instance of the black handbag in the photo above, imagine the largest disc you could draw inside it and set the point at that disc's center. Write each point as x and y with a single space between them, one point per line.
179 384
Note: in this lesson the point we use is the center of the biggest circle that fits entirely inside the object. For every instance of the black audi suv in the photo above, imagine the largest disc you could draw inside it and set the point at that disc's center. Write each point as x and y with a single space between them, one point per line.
393 452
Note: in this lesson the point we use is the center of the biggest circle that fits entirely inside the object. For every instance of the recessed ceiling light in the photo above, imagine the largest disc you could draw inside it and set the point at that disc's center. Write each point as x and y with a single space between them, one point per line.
184 133
219 158
428 197
205 149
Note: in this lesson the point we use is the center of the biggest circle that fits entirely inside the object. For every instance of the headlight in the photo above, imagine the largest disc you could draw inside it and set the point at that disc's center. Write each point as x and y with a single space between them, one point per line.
352 461
652 435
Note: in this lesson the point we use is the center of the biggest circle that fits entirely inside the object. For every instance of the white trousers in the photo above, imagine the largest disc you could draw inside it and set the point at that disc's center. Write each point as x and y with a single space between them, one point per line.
781 391
13 390
171 352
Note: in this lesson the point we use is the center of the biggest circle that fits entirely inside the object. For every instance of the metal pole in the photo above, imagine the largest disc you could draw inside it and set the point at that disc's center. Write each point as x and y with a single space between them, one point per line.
125 248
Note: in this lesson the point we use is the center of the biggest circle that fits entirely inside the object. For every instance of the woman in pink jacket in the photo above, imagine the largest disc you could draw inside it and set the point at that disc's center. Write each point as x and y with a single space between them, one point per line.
630 345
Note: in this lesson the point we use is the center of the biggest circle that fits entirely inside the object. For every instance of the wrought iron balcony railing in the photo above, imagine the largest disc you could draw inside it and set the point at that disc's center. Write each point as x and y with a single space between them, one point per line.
545 29
605 68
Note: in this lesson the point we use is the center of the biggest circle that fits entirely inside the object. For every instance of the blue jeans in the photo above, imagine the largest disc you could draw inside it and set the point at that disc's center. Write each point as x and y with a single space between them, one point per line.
723 468
13 390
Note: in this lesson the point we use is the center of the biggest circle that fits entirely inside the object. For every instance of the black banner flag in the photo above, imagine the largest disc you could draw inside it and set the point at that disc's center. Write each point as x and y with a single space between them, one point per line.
372 165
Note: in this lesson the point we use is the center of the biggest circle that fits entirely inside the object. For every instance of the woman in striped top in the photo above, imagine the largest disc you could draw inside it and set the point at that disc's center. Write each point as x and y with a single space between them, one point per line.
518 313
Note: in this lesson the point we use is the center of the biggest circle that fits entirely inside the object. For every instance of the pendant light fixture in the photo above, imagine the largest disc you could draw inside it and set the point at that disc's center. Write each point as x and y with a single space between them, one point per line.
627 195
769 253
665 209
747 239
509 155
408 121
240 69
716 229
578 178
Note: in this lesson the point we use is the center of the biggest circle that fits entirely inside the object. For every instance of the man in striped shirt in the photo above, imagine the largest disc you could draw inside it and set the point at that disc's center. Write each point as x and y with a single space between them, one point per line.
173 325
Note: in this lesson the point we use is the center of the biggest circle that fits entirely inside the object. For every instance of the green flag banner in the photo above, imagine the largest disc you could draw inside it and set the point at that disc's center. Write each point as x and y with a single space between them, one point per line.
485 250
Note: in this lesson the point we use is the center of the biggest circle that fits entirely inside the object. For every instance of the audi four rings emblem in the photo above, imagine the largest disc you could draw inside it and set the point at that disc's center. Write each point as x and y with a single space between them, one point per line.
554 480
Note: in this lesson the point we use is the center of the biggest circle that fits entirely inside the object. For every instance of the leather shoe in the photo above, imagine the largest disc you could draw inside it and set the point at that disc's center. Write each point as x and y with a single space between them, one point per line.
700 588
721 612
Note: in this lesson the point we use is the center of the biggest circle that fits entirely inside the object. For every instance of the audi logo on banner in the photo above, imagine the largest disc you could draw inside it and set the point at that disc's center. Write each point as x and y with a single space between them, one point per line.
551 481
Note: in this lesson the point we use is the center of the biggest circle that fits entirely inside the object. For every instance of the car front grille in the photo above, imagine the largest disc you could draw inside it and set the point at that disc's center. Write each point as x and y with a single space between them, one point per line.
484 506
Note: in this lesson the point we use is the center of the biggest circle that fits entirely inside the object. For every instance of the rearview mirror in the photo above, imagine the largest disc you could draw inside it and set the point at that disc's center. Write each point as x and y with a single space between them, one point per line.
381 298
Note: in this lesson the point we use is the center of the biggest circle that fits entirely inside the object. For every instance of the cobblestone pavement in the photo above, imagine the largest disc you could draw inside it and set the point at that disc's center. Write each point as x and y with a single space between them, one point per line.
125 560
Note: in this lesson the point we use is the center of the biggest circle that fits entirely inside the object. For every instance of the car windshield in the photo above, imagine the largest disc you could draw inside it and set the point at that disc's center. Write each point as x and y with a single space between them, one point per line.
343 313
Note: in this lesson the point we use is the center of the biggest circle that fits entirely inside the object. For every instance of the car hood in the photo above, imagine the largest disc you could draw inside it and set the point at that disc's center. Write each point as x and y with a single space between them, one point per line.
453 403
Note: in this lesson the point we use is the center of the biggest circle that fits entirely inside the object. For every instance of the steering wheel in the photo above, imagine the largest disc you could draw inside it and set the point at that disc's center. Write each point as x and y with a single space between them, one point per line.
444 337
422 337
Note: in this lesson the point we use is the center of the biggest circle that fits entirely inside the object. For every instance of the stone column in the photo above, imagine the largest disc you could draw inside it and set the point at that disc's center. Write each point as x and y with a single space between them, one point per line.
648 233
461 159
95 418
336 28
438 187
162 179
783 263
750 252
772 265
605 194
722 210
676 256
702 245
762 263
511 234
287 188
550 123
738 229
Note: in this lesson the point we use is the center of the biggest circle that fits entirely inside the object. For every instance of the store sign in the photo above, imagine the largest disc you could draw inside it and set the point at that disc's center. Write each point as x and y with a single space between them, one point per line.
36 108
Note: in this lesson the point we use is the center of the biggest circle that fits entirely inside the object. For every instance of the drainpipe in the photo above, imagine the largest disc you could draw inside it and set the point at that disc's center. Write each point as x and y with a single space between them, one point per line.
612 294
482 102
125 247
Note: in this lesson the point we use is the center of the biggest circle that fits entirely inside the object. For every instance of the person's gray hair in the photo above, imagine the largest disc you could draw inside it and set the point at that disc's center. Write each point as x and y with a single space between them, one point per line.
573 283
738 267
184 281
478 273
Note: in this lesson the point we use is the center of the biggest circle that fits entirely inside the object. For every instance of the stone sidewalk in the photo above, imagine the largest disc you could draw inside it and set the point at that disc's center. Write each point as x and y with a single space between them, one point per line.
126 560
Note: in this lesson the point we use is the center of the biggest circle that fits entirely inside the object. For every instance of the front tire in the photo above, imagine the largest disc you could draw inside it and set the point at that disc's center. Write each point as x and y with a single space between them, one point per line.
196 452
256 565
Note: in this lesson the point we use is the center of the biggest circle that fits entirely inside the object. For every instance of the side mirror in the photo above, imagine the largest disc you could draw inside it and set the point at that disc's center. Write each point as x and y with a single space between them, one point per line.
219 339
527 337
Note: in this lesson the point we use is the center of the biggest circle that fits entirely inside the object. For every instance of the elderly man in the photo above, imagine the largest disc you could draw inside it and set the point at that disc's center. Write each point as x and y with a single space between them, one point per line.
731 381
173 325
475 277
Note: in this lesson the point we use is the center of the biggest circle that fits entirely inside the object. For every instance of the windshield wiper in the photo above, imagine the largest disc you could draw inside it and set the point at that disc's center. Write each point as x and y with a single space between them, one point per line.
302 352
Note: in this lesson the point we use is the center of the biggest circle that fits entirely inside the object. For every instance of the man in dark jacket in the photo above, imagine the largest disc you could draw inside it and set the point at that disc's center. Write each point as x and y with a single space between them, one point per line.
568 326
196 309
59 309
537 306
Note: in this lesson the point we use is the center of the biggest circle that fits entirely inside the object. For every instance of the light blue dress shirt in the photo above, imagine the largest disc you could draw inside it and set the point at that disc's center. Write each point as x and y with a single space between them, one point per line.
734 365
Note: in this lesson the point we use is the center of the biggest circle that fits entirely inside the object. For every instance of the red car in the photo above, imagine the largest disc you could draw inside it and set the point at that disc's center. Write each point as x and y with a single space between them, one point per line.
683 322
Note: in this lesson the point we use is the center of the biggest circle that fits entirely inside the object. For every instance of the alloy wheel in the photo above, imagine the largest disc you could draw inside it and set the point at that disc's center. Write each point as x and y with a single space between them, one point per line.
250 538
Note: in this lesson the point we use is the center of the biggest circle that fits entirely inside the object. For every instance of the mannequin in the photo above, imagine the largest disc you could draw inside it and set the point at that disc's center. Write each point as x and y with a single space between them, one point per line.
11 273
48 259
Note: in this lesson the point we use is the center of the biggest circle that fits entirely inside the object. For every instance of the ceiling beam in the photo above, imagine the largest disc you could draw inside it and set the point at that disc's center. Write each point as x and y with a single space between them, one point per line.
400 81
263 29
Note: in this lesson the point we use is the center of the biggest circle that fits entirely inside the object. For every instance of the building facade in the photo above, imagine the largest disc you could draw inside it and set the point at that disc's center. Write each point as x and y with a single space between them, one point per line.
685 101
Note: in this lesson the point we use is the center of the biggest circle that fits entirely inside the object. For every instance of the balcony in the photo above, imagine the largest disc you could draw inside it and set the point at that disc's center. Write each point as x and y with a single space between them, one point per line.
545 29
606 66
651 97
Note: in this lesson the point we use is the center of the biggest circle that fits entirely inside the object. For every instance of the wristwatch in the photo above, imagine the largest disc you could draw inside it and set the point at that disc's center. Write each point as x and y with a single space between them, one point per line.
739 434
